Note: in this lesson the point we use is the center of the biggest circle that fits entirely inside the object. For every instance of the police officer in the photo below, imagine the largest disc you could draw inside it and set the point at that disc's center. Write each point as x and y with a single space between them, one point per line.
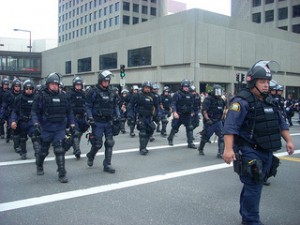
4 88
7 105
123 108
290 108
166 101
213 110
51 114
183 110
146 106
132 121
20 118
197 106
253 130
76 96
102 110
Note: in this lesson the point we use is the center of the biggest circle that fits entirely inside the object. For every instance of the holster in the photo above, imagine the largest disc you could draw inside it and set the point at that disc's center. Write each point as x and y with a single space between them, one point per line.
274 166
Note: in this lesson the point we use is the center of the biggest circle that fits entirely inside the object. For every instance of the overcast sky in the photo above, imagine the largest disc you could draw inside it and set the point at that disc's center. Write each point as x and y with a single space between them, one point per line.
40 16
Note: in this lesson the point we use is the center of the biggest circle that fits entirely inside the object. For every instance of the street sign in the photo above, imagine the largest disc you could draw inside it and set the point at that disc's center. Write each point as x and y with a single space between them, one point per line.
122 82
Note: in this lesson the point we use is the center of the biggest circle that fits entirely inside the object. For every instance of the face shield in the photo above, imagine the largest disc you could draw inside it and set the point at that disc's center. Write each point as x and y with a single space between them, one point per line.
218 92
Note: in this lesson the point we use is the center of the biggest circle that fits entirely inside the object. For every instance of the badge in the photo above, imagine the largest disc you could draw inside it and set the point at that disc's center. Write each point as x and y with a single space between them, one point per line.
235 107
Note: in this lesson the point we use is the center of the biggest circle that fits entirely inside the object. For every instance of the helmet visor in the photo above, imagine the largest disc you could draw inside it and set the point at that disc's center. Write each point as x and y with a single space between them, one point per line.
218 92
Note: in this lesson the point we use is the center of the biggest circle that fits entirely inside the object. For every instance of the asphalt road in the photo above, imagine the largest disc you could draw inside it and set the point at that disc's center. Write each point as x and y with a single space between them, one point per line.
171 185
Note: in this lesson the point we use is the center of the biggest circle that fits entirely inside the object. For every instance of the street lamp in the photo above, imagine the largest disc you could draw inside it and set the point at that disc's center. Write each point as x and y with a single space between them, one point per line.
27 47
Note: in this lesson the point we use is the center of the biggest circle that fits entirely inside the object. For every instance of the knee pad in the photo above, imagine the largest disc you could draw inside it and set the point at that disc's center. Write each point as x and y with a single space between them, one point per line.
190 127
109 143
97 142
143 134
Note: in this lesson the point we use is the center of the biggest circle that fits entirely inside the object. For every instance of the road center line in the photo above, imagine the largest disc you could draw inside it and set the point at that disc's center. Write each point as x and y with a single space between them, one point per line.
111 187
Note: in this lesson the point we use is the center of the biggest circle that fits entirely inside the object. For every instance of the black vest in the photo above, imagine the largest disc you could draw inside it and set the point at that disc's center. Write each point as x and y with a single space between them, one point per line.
185 102
104 103
145 104
77 102
166 102
262 122
25 107
216 108
55 106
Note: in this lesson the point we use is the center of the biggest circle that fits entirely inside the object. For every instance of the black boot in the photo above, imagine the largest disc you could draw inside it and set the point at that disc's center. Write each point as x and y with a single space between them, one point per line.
171 136
144 139
109 143
201 147
132 134
220 148
76 147
39 164
90 156
123 127
36 143
23 148
60 161
158 128
190 139
16 143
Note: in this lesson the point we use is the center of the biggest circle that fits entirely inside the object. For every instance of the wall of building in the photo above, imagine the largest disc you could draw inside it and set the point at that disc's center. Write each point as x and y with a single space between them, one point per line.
194 44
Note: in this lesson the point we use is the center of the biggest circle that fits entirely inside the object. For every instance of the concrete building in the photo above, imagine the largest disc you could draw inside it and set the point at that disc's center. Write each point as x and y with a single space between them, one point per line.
282 14
80 19
198 45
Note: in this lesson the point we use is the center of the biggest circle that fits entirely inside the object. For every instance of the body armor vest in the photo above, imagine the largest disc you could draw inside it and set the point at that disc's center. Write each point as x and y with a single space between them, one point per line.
55 106
262 122
216 108
77 102
145 105
104 103
25 107
166 102
185 103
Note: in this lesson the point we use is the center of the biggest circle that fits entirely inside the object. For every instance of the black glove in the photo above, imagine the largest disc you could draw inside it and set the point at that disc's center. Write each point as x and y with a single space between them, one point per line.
209 122
37 130
91 121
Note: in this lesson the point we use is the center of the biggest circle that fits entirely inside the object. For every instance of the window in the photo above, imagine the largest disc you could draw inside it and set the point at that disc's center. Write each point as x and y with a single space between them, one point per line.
135 20
144 20
296 28
110 22
144 9
117 6
283 28
126 19
153 11
108 61
269 1
105 11
139 57
135 8
283 13
68 67
296 11
111 8
126 6
256 3
84 65
117 20
153 1
256 18
269 15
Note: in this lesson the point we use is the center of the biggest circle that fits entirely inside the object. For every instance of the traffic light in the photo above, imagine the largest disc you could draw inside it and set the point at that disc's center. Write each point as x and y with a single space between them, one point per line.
122 71
237 77
242 77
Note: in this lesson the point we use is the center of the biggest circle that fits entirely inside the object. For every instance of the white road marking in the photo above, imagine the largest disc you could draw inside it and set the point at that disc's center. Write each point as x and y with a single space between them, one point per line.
111 187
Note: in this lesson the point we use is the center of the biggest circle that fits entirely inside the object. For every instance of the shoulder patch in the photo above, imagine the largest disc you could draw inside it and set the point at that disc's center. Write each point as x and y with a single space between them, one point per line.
235 106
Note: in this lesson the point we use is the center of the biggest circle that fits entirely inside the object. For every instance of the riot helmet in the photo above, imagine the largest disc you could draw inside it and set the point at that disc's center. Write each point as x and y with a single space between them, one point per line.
273 85
166 88
135 87
16 82
261 70
104 76
77 81
192 88
28 85
217 90
124 91
53 78
155 86
146 84
279 87
5 81
185 83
